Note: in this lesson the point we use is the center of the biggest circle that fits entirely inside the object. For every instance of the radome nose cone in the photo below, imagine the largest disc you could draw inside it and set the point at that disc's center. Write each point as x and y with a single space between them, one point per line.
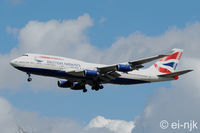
12 62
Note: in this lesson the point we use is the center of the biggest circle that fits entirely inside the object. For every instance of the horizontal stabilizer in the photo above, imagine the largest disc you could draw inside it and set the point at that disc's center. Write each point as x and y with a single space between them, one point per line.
170 75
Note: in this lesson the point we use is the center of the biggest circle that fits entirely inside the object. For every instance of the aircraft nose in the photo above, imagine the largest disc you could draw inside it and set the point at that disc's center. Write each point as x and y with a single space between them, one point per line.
13 62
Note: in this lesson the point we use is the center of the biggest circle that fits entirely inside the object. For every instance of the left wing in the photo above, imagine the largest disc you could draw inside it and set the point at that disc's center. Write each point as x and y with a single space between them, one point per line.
106 74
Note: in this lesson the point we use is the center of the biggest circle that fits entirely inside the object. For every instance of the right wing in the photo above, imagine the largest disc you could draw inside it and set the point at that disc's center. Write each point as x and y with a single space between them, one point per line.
137 64
109 72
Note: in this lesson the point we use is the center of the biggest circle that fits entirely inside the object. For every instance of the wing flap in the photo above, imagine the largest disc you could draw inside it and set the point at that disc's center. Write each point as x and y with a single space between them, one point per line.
76 73
107 69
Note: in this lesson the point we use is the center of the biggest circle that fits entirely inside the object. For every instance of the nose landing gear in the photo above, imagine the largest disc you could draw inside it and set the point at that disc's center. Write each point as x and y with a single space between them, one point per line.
29 77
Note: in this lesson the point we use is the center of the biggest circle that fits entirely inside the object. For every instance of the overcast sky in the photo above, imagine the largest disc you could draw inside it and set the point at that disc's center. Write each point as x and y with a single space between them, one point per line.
106 31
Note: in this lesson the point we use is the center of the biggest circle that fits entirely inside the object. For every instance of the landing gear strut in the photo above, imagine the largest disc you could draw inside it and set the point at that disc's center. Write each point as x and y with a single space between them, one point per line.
84 89
29 77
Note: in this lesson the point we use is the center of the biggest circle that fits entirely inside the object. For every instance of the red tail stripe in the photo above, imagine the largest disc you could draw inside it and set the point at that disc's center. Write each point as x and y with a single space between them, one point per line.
163 70
180 56
155 65
173 56
162 59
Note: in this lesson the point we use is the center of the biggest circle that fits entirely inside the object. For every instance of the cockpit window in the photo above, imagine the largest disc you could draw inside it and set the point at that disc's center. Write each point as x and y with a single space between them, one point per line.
25 55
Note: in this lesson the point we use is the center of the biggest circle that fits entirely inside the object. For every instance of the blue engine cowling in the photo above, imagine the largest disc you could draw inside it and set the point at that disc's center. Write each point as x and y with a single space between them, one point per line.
77 86
123 68
90 73
64 84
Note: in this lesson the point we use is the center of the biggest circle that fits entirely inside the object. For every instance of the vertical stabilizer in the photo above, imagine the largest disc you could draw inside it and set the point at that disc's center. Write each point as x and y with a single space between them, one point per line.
168 64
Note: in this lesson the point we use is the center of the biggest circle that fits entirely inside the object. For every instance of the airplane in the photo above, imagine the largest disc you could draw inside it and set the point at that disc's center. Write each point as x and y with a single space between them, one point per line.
76 74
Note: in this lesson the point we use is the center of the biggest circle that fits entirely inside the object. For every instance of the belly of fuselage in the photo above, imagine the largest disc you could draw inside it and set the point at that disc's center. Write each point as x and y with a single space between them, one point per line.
127 81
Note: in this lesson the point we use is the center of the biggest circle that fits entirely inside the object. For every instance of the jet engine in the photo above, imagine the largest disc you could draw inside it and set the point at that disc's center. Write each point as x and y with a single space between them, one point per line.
123 68
72 85
90 73
64 84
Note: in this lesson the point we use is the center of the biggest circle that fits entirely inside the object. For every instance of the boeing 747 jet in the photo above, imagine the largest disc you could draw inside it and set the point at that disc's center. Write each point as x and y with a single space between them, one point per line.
77 74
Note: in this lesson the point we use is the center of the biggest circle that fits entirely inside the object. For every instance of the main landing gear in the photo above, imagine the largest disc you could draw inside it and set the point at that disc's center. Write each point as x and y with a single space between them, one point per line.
84 89
29 77
97 87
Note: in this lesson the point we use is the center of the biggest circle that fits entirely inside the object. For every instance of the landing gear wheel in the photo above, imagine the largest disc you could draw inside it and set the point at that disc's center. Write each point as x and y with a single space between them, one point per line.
84 90
29 79
96 88
93 88
101 87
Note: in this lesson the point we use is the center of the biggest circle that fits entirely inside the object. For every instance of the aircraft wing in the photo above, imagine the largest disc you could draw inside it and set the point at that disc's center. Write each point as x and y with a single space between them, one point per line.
105 74
134 64
146 60
109 72
106 69
78 73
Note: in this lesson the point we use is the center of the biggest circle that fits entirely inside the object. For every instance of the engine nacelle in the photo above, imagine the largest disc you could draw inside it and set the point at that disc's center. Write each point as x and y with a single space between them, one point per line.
64 84
90 73
123 68
77 86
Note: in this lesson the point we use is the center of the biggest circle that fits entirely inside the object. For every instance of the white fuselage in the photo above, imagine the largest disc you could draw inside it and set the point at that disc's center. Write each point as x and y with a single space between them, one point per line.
59 67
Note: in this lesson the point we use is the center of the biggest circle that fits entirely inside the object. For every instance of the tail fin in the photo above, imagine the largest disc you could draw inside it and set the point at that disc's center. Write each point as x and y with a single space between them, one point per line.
169 63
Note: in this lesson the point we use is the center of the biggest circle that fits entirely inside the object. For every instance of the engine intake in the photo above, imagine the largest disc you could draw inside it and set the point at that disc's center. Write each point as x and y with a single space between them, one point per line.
123 68
90 73
64 84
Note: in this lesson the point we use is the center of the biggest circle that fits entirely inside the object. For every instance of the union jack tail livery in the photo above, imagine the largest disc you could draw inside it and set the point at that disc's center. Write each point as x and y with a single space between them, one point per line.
169 63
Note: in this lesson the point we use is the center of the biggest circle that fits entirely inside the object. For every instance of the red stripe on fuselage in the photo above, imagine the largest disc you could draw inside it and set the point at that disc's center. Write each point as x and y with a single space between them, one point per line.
47 57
